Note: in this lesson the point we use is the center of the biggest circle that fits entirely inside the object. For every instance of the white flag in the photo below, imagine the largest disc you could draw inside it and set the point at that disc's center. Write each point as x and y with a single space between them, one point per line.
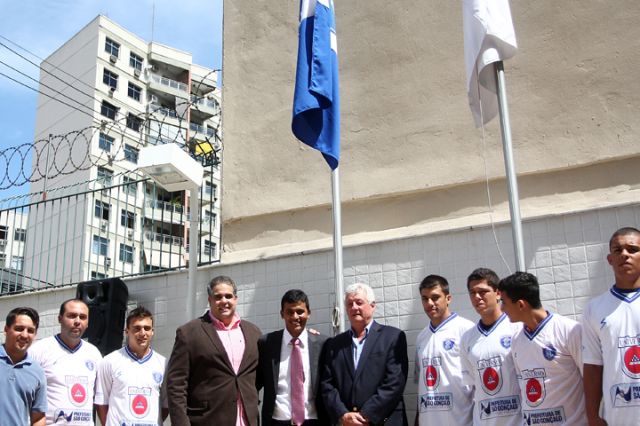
488 37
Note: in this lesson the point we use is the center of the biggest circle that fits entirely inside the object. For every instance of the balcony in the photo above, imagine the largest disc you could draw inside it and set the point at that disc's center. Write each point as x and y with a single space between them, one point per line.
205 106
163 211
165 84
165 240
209 131
160 110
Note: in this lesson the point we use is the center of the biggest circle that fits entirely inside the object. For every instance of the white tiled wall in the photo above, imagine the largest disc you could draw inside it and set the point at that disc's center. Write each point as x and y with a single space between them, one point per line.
566 253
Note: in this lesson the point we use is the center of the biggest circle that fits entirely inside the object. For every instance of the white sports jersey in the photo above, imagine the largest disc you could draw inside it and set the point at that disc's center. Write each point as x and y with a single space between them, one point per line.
548 364
611 338
443 398
71 376
488 366
131 387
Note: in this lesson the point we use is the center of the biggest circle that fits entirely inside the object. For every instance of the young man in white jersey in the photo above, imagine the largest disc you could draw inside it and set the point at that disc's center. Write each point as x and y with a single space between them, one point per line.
485 352
443 398
547 356
70 365
128 389
611 338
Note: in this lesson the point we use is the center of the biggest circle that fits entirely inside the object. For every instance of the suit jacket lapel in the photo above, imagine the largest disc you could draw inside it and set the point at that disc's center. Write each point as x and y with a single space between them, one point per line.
347 352
275 347
314 354
369 344
210 331
248 351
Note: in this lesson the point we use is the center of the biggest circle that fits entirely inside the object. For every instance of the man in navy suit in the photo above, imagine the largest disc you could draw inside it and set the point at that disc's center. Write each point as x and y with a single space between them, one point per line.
364 370
275 374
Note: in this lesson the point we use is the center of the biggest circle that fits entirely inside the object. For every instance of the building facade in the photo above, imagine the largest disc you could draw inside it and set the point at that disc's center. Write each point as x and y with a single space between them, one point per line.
120 94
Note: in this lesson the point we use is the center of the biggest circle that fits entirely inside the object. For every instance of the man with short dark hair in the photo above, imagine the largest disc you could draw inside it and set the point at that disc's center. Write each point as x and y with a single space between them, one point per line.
611 338
24 387
485 351
443 397
289 366
70 365
211 374
128 389
547 355
364 370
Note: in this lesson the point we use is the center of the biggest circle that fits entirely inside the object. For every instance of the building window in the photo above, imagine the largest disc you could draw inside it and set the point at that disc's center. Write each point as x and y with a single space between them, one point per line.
136 61
16 263
4 231
110 78
127 219
105 176
134 92
130 154
134 122
209 248
126 253
100 245
210 189
98 275
108 110
111 47
130 185
102 210
20 234
210 217
105 142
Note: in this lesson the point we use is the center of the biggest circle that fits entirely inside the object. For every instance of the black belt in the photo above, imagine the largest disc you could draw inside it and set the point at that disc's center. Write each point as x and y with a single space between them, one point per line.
308 422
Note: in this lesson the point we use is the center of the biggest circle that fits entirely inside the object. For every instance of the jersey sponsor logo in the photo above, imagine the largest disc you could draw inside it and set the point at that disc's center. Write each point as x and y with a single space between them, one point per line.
547 416
69 416
157 377
77 389
505 341
436 402
490 371
139 400
630 353
549 352
431 368
625 394
534 387
499 407
448 344
90 365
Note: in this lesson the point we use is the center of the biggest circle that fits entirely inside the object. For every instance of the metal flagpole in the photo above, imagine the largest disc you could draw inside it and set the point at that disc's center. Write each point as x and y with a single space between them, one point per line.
338 313
512 182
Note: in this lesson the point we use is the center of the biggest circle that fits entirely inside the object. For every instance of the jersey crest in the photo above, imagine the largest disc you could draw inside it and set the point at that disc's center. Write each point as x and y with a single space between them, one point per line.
77 389
533 382
490 371
549 352
629 348
139 401
431 368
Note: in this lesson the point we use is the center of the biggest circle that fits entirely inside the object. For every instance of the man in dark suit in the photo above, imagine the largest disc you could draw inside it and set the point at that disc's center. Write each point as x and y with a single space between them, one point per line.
364 370
275 373
211 373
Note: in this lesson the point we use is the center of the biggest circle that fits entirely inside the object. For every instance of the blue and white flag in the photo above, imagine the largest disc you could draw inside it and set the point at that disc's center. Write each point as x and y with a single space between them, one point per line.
488 37
316 100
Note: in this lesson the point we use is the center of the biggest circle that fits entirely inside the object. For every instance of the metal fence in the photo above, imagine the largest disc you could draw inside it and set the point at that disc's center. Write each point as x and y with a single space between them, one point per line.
117 227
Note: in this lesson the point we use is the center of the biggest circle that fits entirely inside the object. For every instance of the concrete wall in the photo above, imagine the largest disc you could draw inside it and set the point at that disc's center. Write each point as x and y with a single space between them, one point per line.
566 253
411 156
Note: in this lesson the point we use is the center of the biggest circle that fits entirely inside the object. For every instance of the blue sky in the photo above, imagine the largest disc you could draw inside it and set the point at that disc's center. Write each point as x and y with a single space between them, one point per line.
41 26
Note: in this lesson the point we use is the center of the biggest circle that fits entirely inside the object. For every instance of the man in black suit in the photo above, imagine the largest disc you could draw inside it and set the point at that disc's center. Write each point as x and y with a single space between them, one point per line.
277 375
364 370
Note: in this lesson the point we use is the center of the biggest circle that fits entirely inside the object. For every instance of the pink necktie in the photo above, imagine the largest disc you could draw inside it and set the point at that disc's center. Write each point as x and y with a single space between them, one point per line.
297 383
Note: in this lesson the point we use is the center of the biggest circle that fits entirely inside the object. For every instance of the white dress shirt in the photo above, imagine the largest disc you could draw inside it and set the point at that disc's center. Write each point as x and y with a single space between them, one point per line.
282 409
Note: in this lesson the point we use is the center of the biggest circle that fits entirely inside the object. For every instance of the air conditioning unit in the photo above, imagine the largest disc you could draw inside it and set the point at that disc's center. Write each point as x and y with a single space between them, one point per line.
136 72
111 91
104 225
153 99
113 59
107 262
130 233
3 243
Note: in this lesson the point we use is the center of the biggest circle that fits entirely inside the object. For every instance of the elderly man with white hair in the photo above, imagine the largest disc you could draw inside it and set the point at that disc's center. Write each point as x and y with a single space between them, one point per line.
364 370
